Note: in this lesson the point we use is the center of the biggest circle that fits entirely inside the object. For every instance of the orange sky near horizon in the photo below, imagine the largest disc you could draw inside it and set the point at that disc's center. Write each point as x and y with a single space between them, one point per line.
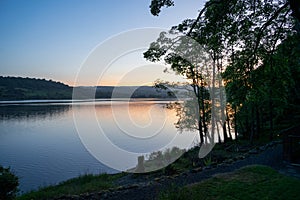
50 39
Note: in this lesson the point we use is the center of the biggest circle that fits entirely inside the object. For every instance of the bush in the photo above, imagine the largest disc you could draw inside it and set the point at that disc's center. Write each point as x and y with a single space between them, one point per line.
8 184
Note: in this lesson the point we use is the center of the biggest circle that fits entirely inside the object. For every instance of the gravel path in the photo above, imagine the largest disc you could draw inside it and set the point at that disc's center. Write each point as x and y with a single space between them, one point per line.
135 188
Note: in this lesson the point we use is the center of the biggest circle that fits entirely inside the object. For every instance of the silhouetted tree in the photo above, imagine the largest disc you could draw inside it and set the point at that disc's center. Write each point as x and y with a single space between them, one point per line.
243 40
8 184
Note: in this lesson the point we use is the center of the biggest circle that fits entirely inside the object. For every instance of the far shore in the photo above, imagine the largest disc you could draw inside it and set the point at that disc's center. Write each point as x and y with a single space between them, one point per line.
58 101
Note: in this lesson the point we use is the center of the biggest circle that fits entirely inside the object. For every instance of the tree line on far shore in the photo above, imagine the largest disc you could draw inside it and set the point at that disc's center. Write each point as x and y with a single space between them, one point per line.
19 88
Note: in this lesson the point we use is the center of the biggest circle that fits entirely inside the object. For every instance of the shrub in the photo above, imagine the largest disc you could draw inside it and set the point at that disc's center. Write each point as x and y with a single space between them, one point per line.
8 184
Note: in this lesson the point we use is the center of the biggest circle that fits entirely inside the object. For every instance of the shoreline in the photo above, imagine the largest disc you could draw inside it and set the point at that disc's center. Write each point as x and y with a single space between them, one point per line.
71 101
131 185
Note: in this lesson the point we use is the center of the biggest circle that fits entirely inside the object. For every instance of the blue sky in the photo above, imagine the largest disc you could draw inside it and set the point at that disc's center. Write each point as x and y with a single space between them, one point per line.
51 38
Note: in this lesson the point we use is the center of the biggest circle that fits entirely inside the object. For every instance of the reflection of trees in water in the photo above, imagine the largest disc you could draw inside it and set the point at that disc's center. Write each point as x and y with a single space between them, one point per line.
188 115
214 117
28 112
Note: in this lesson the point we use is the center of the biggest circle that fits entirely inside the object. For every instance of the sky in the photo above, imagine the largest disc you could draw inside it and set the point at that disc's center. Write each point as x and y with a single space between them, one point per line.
53 39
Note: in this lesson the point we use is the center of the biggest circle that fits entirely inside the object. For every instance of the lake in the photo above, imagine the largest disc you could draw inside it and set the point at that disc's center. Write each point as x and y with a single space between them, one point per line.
46 142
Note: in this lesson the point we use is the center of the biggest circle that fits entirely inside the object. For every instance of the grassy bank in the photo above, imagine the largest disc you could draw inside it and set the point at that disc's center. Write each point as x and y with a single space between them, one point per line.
187 162
253 182
82 184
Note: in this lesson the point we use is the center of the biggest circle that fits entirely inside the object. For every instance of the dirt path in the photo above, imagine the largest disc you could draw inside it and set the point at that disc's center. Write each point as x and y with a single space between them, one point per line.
135 188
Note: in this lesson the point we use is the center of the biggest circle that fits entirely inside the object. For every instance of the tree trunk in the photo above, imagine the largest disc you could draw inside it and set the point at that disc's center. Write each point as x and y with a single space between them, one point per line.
235 123
271 98
271 115
228 124
257 122
203 109
199 116
252 125
225 132
213 119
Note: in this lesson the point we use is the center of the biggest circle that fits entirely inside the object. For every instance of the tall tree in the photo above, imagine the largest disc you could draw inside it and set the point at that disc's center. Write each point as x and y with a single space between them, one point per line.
242 38
187 58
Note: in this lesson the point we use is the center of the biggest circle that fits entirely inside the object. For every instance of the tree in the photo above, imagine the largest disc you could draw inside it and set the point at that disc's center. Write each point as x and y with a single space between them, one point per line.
242 39
187 58
157 5
259 43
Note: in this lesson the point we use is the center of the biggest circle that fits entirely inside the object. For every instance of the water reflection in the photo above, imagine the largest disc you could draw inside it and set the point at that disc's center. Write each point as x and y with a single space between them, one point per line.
127 130
41 144
32 112
137 127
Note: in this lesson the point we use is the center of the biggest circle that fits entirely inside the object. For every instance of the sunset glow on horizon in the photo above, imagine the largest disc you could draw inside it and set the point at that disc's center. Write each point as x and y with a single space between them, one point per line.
52 39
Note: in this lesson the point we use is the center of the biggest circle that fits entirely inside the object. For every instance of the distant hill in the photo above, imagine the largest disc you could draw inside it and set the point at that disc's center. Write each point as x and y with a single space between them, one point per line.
122 92
132 92
18 88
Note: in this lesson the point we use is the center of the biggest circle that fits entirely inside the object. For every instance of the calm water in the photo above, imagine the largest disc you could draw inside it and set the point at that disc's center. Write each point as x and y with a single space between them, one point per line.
51 142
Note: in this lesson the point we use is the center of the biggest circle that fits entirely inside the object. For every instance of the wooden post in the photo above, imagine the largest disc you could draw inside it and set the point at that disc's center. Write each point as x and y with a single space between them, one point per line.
140 168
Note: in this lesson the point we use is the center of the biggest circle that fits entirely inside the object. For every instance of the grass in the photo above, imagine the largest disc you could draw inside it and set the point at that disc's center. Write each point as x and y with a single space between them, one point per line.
243 184
90 183
82 184
253 182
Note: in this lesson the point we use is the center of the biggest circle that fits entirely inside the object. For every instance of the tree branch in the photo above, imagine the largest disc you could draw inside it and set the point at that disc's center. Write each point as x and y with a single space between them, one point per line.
264 26
201 13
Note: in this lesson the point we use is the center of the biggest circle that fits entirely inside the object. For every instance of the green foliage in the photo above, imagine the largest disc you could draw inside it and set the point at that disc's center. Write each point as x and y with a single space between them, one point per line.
8 184
254 45
188 59
271 89
253 182
160 159
80 185
207 161
156 5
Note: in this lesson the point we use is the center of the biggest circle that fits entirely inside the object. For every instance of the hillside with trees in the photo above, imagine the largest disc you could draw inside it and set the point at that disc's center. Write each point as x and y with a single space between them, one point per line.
18 88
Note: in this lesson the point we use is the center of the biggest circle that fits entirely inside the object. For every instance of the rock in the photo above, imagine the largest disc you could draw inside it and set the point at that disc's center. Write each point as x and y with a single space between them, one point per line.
243 150
157 179
175 175
262 148
184 173
132 186
220 165
253 151
229 161
198 169
120 188
207 167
